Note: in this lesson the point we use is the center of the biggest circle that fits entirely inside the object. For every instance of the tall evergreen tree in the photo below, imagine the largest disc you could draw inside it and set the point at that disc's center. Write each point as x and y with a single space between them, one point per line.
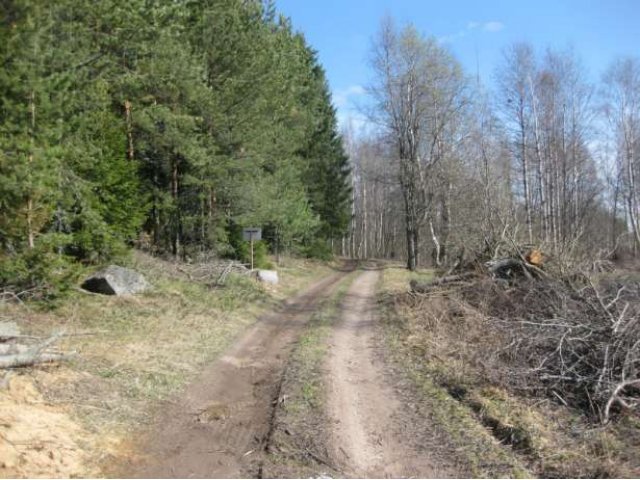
185 120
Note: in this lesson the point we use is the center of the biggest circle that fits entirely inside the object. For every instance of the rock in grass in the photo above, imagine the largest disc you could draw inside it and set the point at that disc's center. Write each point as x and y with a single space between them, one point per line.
268 276
9 330
115 280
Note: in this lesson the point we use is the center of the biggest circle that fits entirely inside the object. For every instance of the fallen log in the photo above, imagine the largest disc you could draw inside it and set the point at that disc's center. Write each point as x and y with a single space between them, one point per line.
417 287
503 263
14 348
28 359
23 356
507 268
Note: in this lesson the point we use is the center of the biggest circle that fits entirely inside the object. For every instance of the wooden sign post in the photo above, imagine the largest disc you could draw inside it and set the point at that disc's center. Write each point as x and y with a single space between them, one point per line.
251 234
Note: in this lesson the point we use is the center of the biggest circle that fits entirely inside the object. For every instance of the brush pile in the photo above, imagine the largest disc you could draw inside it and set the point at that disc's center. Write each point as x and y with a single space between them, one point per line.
212 274
572 337
210 271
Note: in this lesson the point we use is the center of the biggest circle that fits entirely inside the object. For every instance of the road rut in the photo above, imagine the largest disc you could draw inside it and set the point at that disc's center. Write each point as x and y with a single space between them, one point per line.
222 419
370 432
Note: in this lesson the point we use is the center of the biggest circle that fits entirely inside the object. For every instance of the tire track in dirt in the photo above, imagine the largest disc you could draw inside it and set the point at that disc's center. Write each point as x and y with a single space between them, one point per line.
370 433
220 422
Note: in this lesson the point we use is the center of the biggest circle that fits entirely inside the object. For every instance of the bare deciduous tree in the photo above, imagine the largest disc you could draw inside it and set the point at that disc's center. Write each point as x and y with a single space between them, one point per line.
418 91
622 108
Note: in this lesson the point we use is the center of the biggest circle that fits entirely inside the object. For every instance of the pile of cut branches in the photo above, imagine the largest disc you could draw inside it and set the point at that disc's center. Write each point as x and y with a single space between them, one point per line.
524 262
580 345
567 336
207 270
212 274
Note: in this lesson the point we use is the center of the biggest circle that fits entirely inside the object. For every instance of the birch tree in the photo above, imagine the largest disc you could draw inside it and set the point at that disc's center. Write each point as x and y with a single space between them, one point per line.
622 109
418 91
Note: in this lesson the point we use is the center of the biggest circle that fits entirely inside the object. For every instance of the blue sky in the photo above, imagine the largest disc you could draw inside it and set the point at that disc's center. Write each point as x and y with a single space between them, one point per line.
475 31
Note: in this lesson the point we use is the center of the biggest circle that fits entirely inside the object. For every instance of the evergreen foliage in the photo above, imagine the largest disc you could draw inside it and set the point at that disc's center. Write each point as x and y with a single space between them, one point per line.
171 124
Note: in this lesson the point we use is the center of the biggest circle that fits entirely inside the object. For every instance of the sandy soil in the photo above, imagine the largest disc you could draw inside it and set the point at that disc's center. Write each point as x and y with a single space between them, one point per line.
371 436
39 440
218 426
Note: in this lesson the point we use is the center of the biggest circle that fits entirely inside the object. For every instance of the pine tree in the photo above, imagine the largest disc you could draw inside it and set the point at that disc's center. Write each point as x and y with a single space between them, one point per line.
327 166
187 120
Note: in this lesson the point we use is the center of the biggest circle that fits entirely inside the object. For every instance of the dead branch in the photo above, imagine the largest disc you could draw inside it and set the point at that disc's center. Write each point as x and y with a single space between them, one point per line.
417 287
510 267
28 359
576 340
615 397
23 356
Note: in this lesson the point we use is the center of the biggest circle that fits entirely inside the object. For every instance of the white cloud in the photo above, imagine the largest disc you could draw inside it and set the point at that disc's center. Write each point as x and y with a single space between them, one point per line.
357 122
492 26
341 98
356 90
452 37
349 111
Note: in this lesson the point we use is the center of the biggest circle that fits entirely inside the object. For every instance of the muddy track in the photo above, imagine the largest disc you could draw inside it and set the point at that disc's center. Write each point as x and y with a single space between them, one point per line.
217 427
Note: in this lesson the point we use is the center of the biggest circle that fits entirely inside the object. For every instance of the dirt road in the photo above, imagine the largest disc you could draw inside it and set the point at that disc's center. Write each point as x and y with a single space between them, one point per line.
370 437
220 421
220 426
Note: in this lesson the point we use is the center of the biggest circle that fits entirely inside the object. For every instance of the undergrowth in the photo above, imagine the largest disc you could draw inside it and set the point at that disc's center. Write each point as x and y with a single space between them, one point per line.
468 367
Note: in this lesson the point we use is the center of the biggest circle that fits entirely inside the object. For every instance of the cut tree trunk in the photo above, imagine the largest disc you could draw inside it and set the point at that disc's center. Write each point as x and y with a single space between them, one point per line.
27 359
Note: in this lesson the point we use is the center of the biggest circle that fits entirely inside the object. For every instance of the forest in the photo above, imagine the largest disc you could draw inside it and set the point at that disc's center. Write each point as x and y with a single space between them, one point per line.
170 126
453 168
162 125
452 284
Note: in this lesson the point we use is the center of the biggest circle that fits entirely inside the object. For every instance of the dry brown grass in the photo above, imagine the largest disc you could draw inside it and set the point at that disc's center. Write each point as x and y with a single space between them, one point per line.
451 339
143 349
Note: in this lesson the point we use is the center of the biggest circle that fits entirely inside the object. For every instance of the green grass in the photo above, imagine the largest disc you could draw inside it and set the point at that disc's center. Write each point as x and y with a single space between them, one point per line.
396 278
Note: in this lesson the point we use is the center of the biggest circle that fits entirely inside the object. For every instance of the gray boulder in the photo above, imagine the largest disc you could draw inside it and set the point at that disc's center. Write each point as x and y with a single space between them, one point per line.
115 280
268 276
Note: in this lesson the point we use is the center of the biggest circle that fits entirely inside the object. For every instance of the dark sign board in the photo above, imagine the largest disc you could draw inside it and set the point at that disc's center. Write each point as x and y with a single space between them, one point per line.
250 234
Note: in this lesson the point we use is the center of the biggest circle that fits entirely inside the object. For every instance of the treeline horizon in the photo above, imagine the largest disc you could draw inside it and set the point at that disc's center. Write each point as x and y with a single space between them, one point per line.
452 169
165 125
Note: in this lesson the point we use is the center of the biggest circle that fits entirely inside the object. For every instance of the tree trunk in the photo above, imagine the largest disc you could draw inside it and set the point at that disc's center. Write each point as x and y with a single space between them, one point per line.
30 206
365 225
412 234
175 240
127 116
614 219
436 244
525 171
